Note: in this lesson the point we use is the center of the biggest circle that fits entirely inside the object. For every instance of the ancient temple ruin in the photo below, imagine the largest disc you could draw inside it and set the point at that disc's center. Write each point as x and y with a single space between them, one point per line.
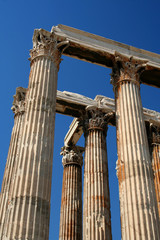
26 188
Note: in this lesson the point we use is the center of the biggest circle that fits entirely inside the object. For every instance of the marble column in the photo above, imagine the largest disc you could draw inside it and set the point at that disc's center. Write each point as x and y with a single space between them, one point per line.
71 204
18 109
154 142
30 199
139 213
96 198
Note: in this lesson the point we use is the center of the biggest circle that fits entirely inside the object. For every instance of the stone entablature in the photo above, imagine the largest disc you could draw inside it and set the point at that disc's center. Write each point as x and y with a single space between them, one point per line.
103 51
31 150
73 104
65 100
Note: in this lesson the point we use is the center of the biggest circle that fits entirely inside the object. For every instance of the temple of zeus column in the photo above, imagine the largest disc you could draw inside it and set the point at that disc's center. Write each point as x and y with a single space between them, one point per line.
26 188
10 173
139 213
71 204
96 198
153 131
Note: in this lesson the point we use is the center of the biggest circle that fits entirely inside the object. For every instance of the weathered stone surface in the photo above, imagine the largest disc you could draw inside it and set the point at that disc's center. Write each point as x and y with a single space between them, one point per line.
96 199
74 105
71 204
19 101
29 213
139 213
102 51
74 133
12 159
154 142
26 188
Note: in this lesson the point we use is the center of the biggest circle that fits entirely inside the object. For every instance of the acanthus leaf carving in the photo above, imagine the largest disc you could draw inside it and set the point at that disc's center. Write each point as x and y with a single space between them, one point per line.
46 44
127 68
72 155
19 101
95 118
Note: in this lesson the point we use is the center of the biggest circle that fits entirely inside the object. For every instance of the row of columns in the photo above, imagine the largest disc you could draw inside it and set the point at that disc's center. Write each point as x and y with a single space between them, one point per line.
26 188
28 210
96 199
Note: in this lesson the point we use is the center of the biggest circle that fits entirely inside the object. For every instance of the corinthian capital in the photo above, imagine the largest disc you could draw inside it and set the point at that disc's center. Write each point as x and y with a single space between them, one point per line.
72 155
19 101
46 44
95 118
127 68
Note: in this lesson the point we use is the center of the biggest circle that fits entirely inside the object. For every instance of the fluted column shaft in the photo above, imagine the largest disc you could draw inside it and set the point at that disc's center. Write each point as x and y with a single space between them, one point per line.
11 164
139 214
30 198
96 199
156 171
154 140
71 204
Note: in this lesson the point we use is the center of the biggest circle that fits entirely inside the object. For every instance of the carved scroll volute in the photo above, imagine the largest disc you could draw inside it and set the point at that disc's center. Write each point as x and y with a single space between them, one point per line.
47 44
19 101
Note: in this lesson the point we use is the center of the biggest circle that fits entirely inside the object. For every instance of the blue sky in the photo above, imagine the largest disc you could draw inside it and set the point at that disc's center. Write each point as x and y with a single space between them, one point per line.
134 22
